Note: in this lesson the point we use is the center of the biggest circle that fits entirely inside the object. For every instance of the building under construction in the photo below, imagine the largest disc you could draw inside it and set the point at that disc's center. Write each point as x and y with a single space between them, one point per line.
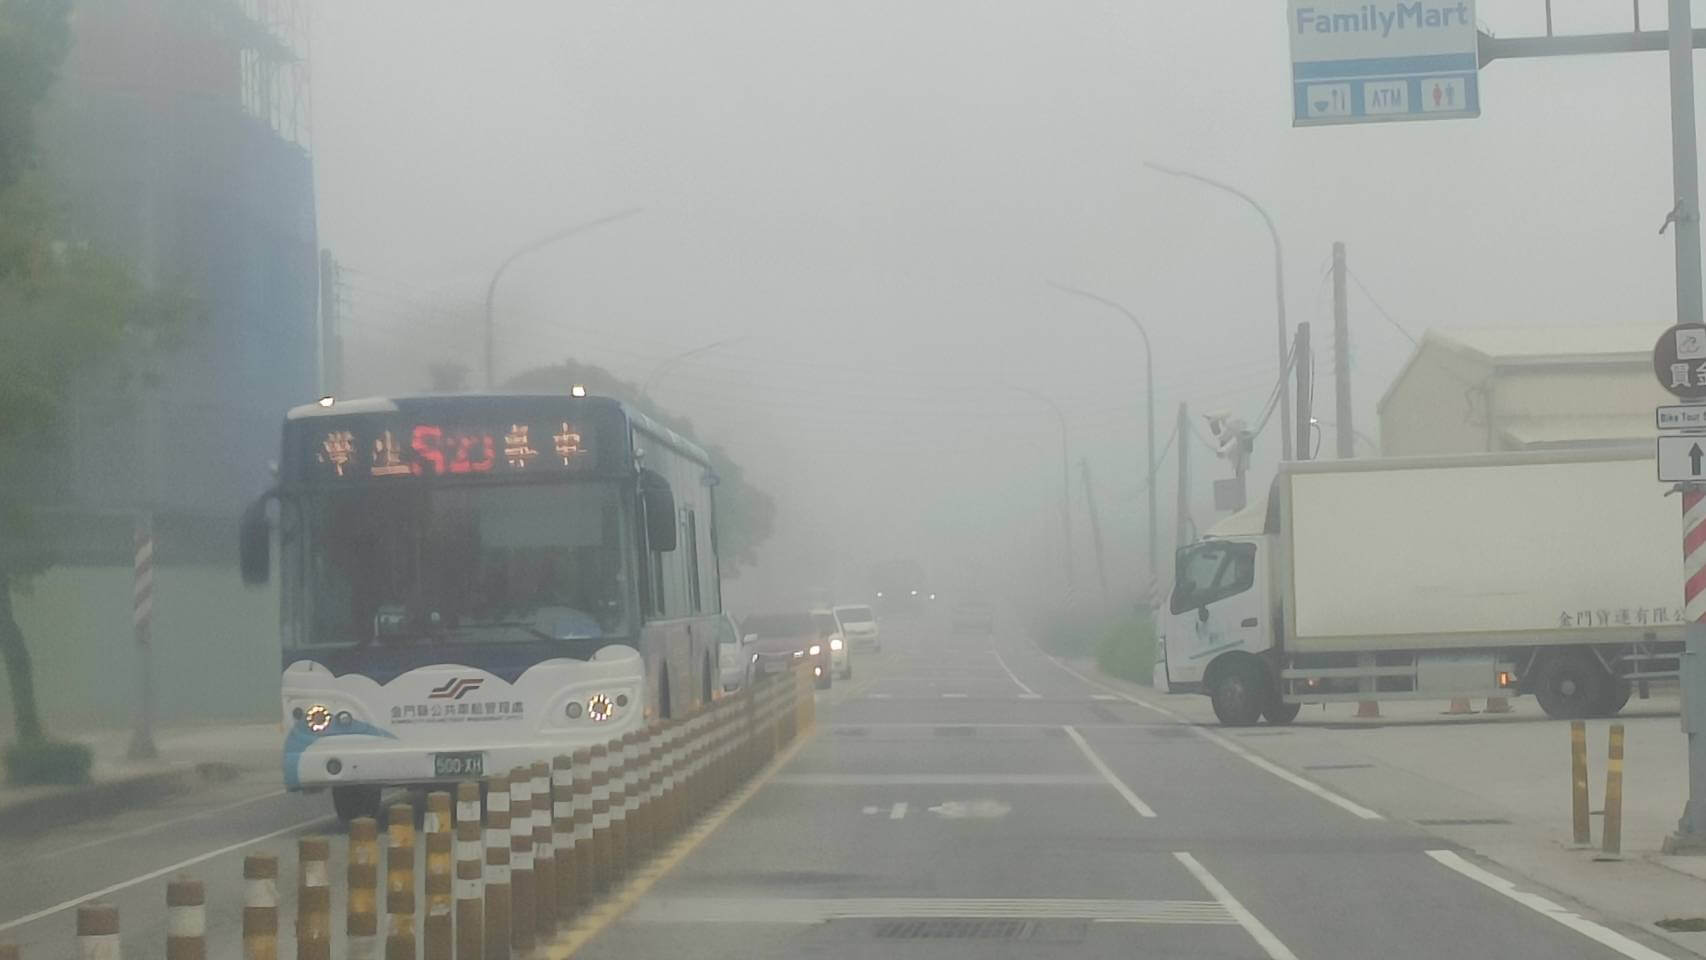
182 128
179 132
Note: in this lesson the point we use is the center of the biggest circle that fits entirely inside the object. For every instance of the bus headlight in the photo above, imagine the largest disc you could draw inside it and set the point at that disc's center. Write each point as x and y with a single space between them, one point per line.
599 708
816 649
344 719
835 644
317 718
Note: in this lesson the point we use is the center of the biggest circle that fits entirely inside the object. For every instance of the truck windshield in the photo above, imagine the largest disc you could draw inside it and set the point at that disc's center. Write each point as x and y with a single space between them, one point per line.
1213 571
459 564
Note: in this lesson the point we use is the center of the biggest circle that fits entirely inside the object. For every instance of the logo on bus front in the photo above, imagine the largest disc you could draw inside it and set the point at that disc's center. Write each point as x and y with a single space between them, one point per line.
456 688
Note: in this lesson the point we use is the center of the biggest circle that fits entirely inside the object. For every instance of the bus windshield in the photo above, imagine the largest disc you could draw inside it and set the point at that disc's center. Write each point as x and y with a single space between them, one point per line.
460 564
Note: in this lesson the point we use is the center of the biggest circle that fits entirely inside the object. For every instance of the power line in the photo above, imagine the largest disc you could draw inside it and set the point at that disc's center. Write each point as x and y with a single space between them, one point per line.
1380 309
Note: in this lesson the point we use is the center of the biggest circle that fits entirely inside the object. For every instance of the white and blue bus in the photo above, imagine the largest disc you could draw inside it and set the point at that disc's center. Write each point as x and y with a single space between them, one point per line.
469 583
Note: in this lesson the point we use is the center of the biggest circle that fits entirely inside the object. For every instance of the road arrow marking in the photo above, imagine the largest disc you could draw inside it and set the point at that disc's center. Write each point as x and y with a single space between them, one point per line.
971 810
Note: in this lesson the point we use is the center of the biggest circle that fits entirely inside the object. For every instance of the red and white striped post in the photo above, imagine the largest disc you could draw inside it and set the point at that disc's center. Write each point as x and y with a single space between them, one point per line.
1694 554
142 625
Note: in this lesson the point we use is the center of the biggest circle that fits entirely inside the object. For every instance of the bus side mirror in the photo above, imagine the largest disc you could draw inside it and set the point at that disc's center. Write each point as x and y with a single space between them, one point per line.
659 504
254 543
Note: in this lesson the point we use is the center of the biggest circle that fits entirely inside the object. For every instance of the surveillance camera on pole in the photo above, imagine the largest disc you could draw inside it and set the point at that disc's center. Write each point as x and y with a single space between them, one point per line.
1232 441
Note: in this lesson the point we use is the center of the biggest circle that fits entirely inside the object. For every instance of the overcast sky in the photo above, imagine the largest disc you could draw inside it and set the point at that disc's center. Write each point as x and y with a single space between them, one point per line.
875 195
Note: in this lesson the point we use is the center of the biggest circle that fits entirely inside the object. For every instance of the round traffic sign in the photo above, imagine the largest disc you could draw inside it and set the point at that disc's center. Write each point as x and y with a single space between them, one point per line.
1679 360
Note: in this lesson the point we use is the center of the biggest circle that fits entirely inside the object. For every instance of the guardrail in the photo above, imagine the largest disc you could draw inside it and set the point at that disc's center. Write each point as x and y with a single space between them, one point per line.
516 859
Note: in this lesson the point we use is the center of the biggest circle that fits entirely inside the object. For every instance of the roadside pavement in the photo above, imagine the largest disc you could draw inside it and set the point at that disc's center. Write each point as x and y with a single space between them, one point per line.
1499 784
187 756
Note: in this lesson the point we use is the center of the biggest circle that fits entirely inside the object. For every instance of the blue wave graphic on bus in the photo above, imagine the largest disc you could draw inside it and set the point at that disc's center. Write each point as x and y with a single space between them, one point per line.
507 663
301 738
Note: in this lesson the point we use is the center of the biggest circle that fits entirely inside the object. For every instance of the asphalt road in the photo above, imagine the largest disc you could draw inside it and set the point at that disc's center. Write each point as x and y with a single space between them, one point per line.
961 797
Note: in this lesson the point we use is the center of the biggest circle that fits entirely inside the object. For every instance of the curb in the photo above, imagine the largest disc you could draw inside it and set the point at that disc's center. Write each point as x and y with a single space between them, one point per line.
70 805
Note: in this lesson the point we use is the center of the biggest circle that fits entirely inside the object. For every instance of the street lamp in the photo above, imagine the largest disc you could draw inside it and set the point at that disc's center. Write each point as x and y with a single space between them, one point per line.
1279 285
1065 480
658 371
492 287
1149 390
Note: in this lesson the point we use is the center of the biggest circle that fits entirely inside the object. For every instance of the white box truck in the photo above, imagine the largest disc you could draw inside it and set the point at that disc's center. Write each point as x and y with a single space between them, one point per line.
1556 573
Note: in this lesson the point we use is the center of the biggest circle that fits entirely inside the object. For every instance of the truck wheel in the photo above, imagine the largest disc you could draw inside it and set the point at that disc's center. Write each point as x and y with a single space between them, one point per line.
1616 696
1239 693
352 802
1572 686
1278 712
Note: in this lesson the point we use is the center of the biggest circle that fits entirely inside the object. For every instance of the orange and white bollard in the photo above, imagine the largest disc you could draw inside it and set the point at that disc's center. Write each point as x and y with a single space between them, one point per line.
313 899
563 835
438 932
618 751
586 878
186 920
470 864
260 907
400 882
601 871
97 932
361 912
544 854
521 888
497 868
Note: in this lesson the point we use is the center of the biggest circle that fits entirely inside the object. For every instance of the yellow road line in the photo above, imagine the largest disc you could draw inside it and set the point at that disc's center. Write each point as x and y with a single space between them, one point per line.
607 911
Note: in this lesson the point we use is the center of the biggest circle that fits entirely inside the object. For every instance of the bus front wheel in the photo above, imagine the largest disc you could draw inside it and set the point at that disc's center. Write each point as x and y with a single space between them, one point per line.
352 802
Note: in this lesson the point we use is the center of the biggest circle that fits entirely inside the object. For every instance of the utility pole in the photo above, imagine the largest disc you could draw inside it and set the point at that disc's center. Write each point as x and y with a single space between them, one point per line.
1095 527
1346 446
1305 392
1182 513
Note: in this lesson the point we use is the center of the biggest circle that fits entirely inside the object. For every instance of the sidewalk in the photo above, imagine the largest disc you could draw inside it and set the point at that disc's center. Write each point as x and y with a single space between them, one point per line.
1500 785
187 755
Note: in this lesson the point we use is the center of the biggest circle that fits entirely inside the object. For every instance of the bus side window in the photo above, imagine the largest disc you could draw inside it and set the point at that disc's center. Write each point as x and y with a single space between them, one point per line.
693 591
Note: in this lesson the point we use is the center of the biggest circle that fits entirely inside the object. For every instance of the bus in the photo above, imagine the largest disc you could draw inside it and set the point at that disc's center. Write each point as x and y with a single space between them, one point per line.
469 583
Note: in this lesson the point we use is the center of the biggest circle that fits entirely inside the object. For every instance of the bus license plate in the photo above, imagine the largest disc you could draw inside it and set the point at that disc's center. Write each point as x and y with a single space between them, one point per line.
458 764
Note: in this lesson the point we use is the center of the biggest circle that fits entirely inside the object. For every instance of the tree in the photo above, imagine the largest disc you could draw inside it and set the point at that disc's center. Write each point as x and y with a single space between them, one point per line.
67 308
745 514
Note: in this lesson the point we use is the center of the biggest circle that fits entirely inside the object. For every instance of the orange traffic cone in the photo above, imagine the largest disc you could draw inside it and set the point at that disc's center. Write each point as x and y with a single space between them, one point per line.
1498 705
1459 707
1367 709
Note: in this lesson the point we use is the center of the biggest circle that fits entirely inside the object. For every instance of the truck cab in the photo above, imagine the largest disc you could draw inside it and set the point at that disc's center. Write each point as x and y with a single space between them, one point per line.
1217 636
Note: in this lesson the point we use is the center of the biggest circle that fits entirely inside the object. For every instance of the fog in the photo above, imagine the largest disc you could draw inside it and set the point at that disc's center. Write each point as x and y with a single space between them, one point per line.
874 198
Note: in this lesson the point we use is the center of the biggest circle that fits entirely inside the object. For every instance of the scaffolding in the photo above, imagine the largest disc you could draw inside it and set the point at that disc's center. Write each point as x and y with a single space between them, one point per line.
273 63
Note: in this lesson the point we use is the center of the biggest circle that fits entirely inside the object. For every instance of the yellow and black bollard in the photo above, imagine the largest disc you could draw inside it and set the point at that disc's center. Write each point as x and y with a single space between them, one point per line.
260 907
361 913
1583 835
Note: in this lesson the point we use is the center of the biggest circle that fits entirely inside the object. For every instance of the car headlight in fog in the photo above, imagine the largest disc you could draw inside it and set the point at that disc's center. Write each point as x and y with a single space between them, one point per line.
755 658
835 644
815 650
318 718
817 671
